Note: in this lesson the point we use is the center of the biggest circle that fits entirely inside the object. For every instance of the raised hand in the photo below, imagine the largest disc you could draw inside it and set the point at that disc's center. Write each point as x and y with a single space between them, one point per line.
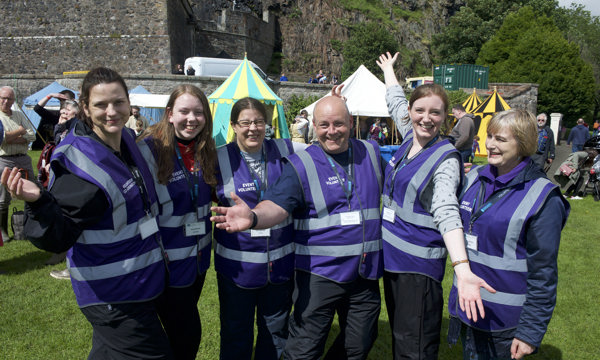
18 187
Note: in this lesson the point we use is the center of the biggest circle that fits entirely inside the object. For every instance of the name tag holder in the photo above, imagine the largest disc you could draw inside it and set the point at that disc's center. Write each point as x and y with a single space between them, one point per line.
350 218
148 226
195 228
260 232
389 214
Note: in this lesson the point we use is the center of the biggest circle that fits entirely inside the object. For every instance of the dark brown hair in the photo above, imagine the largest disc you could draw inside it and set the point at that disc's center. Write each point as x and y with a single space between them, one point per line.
244 104
97 76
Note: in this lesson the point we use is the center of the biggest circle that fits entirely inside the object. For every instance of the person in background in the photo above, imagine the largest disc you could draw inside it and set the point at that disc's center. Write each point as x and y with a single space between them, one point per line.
283 77
596 128
134 117
178 70
578 136
103 207
544 155
421 222
299 128
182 157
333 190
190 71
475 149
18 133
463 132
254 268
513 244
49 118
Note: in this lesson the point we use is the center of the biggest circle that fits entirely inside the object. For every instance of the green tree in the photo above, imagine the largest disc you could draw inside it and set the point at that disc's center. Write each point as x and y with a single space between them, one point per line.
530 48
474 24
367 41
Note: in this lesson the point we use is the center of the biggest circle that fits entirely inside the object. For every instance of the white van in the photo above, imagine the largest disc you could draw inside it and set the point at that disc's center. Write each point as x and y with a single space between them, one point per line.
217 67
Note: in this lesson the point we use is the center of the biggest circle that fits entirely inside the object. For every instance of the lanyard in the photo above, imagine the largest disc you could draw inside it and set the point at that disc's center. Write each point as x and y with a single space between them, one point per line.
348 186
403 162
477 212
259 186
191 178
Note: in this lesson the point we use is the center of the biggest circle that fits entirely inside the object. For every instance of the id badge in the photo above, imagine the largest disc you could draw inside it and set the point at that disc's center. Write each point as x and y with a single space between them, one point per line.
260 232
148 227
350 218
195 228
389 214
471 240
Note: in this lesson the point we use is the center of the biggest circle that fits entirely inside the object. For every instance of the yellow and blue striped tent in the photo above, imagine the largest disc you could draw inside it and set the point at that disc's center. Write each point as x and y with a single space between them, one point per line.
244 82
484 113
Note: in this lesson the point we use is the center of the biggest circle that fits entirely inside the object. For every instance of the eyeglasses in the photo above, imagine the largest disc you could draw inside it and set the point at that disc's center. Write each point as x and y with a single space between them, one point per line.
246 123
6 98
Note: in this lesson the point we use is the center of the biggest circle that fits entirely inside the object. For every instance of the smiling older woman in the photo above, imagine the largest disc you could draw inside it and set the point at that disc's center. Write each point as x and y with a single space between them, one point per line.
513 216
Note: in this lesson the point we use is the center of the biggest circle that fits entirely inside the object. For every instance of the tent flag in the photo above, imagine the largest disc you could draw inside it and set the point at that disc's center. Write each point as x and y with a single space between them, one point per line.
244 82
484 113
472 102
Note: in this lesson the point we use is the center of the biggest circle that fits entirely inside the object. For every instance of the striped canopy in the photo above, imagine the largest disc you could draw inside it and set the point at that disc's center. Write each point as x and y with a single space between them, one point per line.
484 113
472 102
244 82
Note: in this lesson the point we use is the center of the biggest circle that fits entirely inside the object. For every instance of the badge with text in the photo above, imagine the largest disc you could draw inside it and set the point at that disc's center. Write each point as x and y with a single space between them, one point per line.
148 226
471 241
195 228
350 218
260 232
389 214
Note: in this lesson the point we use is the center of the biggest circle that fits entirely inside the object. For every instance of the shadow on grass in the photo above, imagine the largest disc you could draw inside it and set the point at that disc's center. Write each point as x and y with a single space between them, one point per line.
33 259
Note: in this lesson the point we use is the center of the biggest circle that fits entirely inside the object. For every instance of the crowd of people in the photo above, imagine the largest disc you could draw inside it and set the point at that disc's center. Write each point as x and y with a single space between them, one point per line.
301 232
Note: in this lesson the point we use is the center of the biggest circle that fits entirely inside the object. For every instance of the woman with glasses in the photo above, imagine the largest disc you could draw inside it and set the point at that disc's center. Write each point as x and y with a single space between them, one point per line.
254 267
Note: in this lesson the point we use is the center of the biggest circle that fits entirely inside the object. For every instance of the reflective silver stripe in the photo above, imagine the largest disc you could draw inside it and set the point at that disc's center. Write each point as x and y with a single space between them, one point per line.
80 160
182 253
282 224
282 147
374 160
254 257
496 262
314 184
412 249
172 221
406 212
503 298
470 178
332 220
118 268
339 250
161 190
520 215
226 174
408 215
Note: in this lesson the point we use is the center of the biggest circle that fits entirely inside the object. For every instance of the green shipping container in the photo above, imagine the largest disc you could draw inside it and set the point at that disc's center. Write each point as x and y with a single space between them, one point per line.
455 76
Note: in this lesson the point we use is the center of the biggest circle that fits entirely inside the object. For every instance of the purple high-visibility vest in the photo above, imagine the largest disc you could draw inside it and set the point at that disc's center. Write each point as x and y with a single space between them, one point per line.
501 257
188 255
111 262
326 244
412 243
252 262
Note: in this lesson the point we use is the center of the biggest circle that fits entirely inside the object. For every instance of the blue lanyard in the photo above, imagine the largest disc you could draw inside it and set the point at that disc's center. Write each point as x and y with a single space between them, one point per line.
476 212
260 190
403 162
348 186
193 178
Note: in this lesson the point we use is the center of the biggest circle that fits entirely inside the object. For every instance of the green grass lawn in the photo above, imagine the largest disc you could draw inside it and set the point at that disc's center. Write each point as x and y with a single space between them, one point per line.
39 318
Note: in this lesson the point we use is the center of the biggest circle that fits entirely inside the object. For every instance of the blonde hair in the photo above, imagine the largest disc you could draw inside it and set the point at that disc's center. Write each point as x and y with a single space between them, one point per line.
523 126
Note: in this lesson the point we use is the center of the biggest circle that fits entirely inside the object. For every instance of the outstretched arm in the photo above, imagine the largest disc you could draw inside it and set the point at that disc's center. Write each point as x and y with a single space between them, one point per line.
240 217
18 187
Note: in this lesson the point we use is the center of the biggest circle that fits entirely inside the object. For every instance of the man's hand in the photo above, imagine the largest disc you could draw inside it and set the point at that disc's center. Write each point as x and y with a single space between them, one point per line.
235 218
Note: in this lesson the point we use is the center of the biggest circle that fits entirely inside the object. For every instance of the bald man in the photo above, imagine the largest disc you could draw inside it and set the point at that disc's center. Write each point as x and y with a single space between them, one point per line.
333 191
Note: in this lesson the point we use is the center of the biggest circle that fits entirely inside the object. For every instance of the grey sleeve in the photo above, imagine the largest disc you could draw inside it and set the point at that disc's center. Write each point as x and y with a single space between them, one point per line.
398 108
439 197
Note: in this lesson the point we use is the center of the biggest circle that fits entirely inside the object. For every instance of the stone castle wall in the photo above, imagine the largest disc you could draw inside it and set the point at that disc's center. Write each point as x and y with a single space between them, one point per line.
132 37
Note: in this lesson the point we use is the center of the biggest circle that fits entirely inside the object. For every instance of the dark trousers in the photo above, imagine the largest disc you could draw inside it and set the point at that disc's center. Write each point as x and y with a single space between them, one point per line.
272 304
178 311
316 300
129 331
414 303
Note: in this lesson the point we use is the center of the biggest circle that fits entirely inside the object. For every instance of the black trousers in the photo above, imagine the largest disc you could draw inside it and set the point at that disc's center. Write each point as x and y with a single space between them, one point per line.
415 304
316 300
178 312
129 331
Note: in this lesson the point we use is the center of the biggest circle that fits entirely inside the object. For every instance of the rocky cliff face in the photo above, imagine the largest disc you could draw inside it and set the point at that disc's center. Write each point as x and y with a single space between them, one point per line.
308 28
